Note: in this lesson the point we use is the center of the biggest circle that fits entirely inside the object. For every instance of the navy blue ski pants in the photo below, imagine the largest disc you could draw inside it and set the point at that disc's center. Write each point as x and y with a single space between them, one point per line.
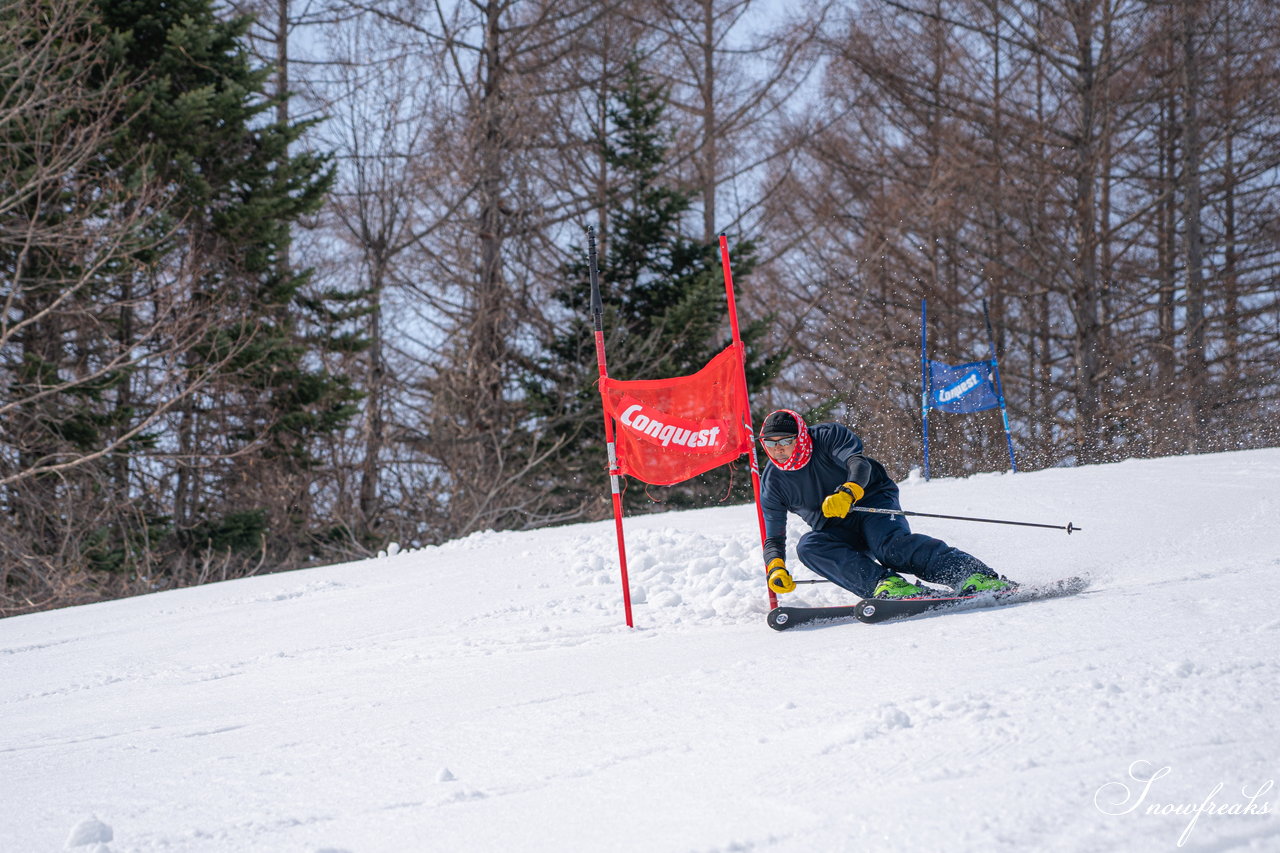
845 552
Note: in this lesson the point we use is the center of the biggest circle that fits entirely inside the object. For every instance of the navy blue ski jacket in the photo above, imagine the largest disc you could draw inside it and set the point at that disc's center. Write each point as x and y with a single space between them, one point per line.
837 459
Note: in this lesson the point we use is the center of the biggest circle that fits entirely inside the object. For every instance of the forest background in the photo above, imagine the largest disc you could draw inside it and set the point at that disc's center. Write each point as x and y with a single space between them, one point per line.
287 281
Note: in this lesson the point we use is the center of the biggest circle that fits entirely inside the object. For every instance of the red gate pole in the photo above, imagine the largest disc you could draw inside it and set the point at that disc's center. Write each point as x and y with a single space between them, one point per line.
615 479
742 378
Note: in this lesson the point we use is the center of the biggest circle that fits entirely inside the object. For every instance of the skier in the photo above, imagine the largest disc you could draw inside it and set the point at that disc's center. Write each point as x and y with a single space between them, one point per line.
819 473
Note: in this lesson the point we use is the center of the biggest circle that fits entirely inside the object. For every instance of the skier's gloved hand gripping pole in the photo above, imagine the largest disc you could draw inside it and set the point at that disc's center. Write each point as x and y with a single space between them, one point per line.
838 504
779 578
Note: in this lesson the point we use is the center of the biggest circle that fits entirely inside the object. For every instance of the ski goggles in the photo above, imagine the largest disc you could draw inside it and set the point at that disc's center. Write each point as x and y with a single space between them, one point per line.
779 442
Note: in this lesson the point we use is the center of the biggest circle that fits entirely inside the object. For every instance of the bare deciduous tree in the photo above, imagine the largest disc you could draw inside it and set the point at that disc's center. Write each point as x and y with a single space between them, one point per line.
96 334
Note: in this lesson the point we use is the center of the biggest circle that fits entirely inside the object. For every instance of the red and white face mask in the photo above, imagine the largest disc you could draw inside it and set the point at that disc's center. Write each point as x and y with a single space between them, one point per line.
804 446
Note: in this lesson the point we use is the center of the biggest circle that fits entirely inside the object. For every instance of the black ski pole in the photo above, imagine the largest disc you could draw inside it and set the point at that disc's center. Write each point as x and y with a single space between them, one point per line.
1070 528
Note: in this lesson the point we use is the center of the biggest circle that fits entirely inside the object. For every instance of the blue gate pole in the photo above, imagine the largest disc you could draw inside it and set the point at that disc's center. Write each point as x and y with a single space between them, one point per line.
924 385
995 366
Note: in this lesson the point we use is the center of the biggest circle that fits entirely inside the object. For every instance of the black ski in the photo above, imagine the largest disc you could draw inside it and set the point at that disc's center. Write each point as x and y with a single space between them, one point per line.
782 618
874 610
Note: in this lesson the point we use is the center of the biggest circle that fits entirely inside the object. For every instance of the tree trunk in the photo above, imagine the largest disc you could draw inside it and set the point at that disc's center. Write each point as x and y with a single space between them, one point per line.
1192 228
708 169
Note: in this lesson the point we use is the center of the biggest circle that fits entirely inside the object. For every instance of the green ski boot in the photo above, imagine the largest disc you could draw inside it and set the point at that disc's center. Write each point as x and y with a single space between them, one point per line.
896 586
979 582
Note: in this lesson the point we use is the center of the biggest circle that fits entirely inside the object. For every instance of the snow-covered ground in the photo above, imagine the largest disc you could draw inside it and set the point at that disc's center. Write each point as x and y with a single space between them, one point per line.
485 694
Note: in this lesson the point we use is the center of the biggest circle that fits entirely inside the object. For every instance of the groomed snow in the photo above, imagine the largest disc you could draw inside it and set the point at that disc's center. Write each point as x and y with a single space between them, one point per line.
485 694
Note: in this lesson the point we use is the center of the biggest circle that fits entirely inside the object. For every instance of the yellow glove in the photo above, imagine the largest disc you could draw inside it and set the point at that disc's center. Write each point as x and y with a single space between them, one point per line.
837 505
779 578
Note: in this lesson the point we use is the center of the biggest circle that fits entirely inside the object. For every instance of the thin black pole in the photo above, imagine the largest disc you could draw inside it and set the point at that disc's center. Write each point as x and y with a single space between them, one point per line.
1070 528
593 270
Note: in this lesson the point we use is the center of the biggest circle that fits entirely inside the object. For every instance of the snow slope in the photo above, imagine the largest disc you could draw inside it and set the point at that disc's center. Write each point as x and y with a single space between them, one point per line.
485 695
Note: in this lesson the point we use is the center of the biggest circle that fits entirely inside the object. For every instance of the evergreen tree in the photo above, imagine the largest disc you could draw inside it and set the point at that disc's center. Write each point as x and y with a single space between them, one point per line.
164 385
66 230
207 127
664 299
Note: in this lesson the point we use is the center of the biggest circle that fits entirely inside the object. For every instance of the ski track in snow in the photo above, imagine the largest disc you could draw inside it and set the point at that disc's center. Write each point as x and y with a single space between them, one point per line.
485 695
